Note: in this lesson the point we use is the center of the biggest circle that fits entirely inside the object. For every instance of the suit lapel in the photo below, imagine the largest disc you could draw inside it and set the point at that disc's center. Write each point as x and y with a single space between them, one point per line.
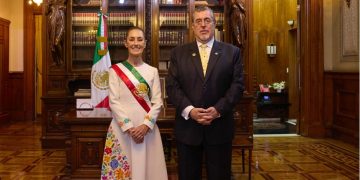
214 57
195 59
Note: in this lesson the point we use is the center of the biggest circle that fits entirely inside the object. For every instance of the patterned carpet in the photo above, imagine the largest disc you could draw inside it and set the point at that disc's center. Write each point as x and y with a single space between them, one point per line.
273 126
21 157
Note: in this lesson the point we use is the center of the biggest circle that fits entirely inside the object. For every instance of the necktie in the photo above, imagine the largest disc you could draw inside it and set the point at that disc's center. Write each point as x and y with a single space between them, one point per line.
204 57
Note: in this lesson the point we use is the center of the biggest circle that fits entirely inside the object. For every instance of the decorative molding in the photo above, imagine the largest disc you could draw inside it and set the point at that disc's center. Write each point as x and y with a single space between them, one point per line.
350 31
348 2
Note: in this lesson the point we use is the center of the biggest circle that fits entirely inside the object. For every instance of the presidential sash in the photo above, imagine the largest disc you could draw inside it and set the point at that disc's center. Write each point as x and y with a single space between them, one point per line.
136 74
140 90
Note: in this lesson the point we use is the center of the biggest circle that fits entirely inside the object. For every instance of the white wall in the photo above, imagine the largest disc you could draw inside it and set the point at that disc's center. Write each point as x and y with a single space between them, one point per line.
13 11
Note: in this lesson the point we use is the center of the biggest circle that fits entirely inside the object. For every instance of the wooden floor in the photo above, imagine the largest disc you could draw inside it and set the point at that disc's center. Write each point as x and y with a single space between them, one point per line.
21 157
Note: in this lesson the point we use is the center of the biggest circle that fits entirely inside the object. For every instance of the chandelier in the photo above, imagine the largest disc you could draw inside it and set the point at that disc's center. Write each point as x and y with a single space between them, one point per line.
38 2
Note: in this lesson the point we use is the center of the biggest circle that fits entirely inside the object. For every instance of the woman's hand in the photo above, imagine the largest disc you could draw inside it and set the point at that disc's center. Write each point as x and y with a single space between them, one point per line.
138 133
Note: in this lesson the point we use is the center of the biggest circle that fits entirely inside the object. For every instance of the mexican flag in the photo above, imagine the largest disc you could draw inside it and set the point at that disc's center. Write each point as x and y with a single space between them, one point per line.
101 65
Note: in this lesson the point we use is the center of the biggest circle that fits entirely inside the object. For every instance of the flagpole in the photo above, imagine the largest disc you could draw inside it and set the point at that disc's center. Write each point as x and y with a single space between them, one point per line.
101 62
104 6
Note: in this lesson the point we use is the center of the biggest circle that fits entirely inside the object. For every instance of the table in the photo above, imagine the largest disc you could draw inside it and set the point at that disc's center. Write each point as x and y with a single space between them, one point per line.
273 105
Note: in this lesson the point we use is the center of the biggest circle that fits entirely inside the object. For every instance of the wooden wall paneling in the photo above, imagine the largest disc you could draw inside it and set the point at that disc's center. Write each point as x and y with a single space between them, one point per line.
293 75
341 106
292 61
328 103
268 24
247 61
345 124
15 90
311 69
4 68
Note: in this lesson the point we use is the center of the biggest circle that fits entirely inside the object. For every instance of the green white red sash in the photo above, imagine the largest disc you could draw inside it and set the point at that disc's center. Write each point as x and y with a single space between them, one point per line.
131 86
136 74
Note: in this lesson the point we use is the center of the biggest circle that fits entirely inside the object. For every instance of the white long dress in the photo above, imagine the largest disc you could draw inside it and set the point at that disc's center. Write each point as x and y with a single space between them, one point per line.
123 158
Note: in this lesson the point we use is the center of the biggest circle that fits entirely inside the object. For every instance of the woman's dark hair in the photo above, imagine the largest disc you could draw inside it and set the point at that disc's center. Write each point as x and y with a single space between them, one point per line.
133 28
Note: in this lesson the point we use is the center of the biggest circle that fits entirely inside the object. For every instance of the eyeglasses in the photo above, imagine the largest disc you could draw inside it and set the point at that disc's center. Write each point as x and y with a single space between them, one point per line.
206 21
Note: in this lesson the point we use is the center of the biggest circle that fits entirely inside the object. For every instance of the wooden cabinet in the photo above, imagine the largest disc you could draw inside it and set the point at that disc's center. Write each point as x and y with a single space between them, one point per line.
4 67
86 135
77 51
273 105
83 22
171 26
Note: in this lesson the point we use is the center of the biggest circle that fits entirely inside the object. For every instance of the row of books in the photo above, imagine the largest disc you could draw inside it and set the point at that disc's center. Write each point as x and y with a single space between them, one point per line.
114 18
173 18
98 2
166 18
164 65
219 35
82 93
170 37
181 18
207 2
219 17
167 37
171 2
89 2
89 37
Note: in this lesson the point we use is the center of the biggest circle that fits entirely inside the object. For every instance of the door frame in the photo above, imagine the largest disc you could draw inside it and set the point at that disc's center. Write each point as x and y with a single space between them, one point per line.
310 121
29 58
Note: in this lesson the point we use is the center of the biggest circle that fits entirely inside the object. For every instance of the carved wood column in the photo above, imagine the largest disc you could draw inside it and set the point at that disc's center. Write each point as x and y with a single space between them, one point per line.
148 32
29 58
311 69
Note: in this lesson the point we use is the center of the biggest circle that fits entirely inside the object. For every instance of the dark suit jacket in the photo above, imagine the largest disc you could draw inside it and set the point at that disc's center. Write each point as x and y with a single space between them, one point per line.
222 87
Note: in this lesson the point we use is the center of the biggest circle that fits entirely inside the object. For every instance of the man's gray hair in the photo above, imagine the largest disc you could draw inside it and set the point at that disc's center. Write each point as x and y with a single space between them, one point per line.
202 8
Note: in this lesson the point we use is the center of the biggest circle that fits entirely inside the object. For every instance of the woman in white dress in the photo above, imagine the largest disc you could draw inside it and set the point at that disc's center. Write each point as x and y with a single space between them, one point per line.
133 148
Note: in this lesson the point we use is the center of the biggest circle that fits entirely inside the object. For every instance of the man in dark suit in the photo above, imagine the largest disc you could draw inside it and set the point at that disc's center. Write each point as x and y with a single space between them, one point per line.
205 82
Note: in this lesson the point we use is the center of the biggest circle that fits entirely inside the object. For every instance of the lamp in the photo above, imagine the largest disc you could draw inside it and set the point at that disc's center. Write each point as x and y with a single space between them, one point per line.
38 2
291 22
271 50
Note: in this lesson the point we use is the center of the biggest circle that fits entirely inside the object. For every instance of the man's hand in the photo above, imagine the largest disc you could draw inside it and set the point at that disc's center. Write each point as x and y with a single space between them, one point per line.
197 114
211 113
204 116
